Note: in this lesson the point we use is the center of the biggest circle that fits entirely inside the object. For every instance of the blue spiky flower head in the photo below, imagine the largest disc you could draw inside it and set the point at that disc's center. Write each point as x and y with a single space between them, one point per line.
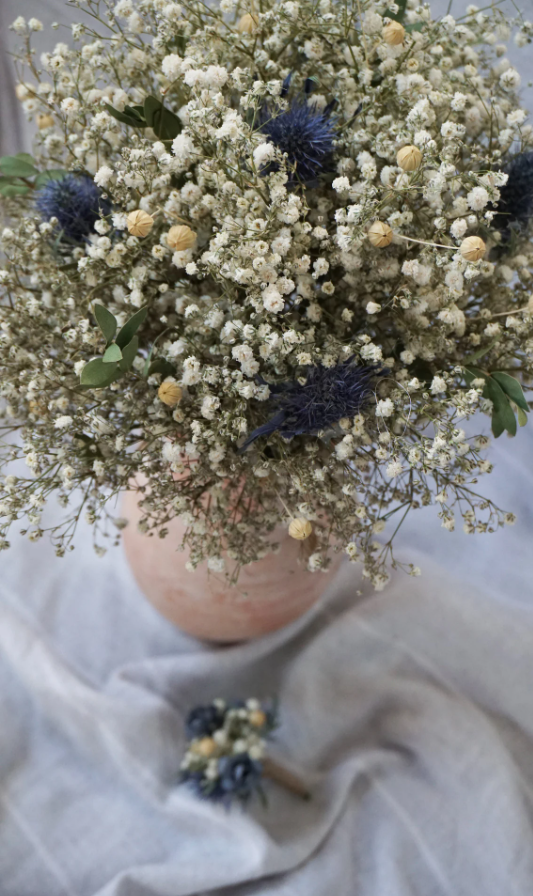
328 395
515 208
77 203
304 133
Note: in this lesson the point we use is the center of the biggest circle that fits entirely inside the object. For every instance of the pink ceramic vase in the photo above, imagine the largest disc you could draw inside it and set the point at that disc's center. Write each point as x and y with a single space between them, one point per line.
269 594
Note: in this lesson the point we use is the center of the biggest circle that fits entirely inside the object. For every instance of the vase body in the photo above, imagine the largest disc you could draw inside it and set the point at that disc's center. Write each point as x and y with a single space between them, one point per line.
268 595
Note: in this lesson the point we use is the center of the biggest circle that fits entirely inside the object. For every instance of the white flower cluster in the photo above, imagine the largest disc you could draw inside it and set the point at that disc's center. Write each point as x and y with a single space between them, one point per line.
281 192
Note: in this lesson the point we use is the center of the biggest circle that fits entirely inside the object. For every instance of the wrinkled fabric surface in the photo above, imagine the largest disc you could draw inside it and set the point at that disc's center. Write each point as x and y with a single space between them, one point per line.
409 713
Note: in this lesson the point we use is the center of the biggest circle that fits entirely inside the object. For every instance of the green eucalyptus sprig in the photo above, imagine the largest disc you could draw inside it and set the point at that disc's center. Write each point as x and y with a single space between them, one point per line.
20 175
504 391
120 352
151 114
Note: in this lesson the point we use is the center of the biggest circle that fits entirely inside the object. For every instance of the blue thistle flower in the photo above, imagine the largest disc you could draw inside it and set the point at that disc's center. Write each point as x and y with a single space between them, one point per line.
328 394
304 133
76 201
240 775
202 721
516 204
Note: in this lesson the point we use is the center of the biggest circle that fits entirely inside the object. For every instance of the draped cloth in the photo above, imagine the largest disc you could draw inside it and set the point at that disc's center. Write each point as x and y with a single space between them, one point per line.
409 713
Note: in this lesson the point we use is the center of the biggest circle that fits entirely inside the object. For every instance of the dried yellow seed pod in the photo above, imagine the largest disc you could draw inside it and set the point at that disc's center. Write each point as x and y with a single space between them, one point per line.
247 23
300 529
180 237
205 747
409 158
45 121
170 394
257 718
473 248
139 223
380 234
394 34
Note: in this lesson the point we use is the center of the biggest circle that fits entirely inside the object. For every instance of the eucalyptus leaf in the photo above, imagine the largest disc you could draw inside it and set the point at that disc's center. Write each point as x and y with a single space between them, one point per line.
12 166
163 122
522 417
129 116
130 328
503 417
397 16
512 388
8 190
46 176
129 353
474 373
480 352
97 374
25 157
162 366
106 321
112 354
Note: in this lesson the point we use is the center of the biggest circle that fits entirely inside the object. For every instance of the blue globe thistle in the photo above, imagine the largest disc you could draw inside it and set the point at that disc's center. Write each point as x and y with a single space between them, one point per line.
305 134
202 721
328 394
239 775
516 203
77 203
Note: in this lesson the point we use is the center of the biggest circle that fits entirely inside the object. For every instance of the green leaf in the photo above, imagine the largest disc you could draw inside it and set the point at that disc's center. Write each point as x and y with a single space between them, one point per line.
12 166
417 26
129 353
481 351
522 417
46 176
25 157
502 415
512 388
130 328
112 354
397 16
130 116
162 366
106 321
474 373
97 374
163 122
8 190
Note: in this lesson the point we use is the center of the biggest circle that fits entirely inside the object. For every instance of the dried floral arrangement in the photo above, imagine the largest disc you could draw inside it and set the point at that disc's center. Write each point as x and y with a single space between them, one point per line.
265 259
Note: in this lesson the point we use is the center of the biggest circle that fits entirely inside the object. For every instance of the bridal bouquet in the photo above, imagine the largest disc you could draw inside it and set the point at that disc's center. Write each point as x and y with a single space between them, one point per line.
266 259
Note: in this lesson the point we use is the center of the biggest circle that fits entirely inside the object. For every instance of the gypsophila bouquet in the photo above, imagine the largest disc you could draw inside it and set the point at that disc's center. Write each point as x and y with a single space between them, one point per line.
265 259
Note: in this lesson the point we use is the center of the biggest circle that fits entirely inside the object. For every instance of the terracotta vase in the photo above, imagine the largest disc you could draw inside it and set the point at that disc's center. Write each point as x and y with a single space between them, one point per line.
269 594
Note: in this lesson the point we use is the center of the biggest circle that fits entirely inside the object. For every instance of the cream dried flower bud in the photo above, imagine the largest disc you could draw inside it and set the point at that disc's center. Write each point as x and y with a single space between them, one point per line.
205 747
139 223
394 34
409 158
472 248
180 237
247 23
300 529
380 234
257 718
45 121
170 394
